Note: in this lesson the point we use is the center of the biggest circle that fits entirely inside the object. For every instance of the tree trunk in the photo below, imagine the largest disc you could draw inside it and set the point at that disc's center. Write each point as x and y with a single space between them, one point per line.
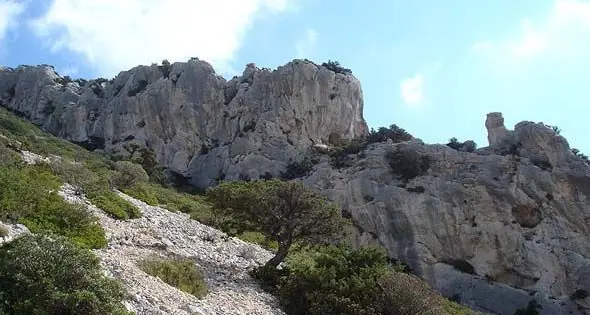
279 256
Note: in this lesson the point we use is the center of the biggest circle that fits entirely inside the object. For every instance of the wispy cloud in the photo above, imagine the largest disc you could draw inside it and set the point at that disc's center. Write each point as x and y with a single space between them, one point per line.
9 12
412 90
307 45
114 35
561 31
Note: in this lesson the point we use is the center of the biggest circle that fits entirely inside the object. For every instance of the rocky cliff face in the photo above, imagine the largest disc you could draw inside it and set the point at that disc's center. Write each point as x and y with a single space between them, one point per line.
197 123
494 228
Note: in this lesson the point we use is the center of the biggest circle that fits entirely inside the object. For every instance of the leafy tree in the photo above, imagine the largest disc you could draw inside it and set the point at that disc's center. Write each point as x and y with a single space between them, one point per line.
47 275
286 212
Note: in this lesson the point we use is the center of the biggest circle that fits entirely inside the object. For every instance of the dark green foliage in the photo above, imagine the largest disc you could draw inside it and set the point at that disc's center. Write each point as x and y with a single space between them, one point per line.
556 129
340 156
285 211
298 169
455 144
336 67
48 275
128 174
580 155
395 133
165 68
407 164
532 309
182 274
338 279
28 195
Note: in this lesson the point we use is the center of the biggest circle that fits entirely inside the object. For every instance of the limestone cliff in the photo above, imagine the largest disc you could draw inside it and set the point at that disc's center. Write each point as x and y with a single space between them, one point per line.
495 227
197 123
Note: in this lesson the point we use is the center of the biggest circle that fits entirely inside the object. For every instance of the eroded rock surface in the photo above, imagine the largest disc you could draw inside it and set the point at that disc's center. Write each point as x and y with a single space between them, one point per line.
198 124
482 227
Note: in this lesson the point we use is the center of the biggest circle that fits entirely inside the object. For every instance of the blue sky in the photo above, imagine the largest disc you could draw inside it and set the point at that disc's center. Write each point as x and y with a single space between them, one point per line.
433 67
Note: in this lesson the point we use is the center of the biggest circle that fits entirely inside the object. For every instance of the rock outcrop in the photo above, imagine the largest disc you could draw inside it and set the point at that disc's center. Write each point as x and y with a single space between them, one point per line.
482 227
493 227
198 124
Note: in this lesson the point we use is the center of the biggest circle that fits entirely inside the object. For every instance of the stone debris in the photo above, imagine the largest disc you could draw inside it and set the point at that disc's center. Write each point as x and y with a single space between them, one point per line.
224 261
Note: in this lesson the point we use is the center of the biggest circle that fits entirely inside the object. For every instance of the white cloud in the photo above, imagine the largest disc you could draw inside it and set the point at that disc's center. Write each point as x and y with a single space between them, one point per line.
307 44
412 90
561 31
9 12
114 35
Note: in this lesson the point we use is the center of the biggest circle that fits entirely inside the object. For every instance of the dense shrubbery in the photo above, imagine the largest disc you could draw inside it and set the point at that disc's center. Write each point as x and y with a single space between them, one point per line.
407 164
179 273
28 195
395 133
48 275
337 279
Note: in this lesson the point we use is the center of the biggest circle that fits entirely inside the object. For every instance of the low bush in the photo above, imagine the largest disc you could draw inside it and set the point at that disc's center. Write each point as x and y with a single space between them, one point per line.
113 204
47 275
298 169
407 164
532 308
182 274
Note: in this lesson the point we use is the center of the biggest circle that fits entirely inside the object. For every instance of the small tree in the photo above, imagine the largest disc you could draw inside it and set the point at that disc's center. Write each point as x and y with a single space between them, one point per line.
286 212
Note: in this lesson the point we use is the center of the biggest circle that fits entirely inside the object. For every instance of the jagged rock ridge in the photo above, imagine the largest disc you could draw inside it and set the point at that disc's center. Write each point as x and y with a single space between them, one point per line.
198 124
494 228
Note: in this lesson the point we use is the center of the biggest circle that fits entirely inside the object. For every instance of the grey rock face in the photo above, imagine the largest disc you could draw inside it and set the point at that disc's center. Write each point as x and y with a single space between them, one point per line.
197 124
493 230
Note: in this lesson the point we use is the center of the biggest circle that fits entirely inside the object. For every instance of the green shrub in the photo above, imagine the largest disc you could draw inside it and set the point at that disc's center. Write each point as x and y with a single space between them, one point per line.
182 274
334 280
407 164
455 144
340 156
580 155
404 294
28 195
47 275
336 67
298 169
395 133
113 204
129 174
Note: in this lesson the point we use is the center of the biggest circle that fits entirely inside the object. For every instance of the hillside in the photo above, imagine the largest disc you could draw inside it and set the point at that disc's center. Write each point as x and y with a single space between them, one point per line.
508 222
